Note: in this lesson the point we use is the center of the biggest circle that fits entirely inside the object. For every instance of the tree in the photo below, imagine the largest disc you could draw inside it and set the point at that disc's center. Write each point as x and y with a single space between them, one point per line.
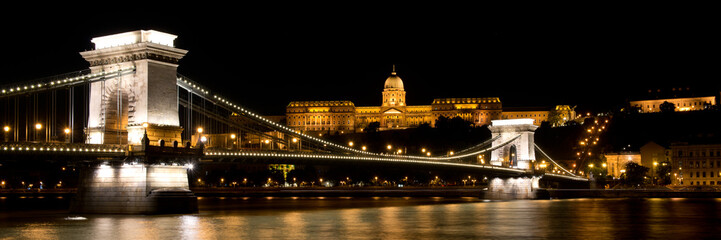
635 173
667 107
372 127
455 123
663 172
554 119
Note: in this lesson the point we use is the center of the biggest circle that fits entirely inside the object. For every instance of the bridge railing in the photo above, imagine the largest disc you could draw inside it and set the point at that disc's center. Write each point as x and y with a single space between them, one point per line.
60 81
331 156
56 147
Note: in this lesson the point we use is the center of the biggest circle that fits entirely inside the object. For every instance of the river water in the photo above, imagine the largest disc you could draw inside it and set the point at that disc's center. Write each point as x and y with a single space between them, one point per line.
377 218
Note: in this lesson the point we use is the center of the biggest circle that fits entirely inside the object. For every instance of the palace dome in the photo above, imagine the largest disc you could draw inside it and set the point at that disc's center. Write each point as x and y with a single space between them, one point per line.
393 81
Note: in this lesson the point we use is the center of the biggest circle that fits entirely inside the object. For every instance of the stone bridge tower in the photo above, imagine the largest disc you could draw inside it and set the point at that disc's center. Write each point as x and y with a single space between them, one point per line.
519 153
121 106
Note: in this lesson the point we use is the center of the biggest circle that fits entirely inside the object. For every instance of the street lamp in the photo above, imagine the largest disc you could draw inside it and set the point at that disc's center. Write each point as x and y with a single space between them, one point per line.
38 127
7 133
653 177
201 138
364 148
350 143
67 134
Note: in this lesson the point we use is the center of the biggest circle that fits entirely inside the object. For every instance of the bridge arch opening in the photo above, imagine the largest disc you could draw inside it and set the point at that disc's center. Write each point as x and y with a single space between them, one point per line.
512 156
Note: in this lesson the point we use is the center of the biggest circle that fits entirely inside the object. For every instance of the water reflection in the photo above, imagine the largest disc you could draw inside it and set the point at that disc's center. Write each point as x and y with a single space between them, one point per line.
38 231
294 226
388 218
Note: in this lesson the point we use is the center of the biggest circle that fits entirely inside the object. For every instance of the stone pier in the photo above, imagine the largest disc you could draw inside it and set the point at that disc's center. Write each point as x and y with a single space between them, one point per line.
512 188
134 189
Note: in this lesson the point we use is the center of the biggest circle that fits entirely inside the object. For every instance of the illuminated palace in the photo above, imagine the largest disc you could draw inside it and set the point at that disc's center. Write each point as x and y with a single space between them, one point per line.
394 113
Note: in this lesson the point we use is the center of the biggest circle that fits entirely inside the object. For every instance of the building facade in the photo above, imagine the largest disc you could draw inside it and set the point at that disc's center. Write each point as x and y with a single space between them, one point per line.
696 164
680 104
321 117
616 162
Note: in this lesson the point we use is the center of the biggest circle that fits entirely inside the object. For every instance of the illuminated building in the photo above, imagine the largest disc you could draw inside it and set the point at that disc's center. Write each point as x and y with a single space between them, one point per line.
696 164
683 99
653 152
616 162
556 116
321 117
680 104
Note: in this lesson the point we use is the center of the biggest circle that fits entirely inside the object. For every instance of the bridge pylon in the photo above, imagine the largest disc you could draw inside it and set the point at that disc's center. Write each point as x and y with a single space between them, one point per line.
123 108
519 152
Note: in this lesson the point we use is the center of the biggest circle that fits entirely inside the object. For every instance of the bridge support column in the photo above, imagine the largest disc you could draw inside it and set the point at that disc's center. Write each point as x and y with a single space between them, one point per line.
518 152
513 188
120 106
134 189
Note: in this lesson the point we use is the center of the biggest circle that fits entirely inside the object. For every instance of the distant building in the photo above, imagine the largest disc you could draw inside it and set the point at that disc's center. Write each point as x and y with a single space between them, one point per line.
654 155
680 104
394 113
616 162
696 164
556 116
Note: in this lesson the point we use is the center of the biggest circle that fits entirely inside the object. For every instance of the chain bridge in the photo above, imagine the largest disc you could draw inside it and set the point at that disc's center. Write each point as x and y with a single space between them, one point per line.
137 127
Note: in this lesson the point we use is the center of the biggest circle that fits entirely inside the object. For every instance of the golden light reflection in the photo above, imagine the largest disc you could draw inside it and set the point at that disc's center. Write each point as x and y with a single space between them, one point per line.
352 221
392 225
39 231
296 226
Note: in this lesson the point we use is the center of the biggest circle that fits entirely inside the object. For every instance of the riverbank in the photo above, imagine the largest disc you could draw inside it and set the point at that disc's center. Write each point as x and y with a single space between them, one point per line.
449 192
622 193
341 192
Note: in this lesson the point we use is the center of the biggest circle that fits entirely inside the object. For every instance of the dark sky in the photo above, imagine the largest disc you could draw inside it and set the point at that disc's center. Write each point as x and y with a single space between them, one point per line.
266 56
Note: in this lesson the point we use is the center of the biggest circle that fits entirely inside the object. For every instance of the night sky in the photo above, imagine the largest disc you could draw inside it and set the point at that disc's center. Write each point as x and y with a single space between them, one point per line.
263 57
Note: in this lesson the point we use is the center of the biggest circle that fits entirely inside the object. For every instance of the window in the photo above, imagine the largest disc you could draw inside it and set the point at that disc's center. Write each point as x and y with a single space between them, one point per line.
704 174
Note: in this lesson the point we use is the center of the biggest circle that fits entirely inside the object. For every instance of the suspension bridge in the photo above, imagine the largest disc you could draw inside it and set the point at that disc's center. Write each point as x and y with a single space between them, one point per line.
138 126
